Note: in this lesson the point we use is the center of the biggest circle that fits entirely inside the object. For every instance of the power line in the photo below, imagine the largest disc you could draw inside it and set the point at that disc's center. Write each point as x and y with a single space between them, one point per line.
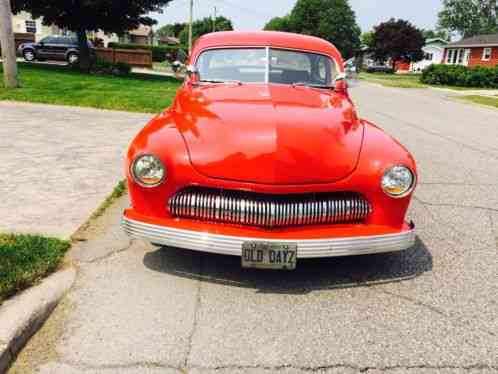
244 9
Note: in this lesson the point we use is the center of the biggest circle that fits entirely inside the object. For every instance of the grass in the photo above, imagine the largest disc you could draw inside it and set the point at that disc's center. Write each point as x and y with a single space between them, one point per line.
118 191
25 259
63 86
408 81
394 80
483 100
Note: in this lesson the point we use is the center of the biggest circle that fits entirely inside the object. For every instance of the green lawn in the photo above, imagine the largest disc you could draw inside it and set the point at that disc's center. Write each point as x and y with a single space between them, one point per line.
63 86
394 80
25 259
484 100
408 81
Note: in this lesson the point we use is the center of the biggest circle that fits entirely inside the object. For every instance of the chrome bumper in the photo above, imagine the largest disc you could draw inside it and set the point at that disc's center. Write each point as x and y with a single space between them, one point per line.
232 245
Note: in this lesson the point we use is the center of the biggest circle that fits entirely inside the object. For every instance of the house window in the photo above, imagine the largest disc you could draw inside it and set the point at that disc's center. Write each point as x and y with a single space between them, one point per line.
455 56
31 27
486 54
429 56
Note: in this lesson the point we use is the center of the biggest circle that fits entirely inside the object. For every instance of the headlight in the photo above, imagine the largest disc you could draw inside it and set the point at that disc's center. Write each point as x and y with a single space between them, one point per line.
398 181
148 171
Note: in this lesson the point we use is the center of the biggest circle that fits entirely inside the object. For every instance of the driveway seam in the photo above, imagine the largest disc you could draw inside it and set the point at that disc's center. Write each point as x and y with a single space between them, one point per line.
361 369
495 233
456 205
196 317
111 254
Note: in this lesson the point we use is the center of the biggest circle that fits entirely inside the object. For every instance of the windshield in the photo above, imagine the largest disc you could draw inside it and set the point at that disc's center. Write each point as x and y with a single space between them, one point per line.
251 65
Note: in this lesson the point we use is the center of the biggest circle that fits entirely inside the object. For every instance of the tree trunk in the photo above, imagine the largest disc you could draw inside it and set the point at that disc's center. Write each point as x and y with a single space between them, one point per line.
8 45
84 60
394 65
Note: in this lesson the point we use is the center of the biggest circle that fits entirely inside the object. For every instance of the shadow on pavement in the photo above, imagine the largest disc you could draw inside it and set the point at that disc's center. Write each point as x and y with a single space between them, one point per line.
310 275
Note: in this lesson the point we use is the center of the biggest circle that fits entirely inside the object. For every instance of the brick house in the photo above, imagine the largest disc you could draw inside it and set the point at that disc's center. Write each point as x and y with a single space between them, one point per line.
480 50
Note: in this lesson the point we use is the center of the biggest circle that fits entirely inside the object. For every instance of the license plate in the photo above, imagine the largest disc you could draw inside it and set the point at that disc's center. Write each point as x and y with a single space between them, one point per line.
269 255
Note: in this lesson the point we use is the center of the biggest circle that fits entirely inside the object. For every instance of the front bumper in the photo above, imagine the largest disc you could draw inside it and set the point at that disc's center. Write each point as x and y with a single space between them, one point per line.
232 245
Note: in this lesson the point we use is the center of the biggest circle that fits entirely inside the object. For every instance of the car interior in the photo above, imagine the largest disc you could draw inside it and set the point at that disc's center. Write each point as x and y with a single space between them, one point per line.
286 67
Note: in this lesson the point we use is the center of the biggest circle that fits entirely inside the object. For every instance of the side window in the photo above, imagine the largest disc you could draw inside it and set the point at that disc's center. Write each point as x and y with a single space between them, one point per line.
486 54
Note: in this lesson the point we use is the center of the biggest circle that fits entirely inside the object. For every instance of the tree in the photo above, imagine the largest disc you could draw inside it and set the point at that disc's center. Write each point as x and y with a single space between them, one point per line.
397 40
8 45
173 29
469 17
279 24
367 38
82 16
437 33
205 26
332 20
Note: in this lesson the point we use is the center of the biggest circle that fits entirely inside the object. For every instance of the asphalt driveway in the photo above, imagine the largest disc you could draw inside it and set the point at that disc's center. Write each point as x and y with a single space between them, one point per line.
432 309
59 164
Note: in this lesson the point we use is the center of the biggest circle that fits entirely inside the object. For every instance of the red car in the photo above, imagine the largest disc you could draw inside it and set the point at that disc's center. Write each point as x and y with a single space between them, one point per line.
262 155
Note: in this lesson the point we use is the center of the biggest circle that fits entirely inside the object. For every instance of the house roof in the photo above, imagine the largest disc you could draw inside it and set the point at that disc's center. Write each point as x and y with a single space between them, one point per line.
169 39
141 31
477 41
436 41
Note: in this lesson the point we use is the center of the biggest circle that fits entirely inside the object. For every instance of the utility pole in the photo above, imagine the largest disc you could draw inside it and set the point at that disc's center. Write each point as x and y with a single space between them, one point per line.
8 45
214 20
191 17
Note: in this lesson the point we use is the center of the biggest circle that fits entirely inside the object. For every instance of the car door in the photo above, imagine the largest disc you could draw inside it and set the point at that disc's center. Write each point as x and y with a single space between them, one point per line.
43 47
61 46
47 48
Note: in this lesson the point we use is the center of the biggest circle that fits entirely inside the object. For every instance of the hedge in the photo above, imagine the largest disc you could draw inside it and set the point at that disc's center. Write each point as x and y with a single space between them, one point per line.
458 75
158 51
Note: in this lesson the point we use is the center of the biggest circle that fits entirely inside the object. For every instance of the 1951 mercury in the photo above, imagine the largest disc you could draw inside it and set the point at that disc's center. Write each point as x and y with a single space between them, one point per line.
262 155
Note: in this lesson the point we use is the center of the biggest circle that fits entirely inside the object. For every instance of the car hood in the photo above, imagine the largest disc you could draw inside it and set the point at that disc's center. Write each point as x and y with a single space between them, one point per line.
269 134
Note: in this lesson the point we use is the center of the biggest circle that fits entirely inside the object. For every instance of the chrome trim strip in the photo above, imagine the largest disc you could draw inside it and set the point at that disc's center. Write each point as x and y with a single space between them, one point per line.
232 245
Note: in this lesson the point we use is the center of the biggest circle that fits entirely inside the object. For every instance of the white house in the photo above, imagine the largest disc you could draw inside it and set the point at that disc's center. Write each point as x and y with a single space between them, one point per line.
24 23
433 54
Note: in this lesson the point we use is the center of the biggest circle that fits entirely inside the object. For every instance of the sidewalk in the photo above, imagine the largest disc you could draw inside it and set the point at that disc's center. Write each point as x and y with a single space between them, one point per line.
59 163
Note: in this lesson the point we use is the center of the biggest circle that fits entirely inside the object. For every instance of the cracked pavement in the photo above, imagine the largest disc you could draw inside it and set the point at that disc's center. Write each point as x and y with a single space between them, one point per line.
136 308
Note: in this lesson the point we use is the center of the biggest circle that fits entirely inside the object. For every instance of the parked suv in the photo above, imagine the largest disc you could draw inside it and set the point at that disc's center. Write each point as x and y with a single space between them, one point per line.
61 48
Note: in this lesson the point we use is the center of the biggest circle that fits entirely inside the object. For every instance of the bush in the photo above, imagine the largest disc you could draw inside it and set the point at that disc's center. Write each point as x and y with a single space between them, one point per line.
159 52
106 67
458 75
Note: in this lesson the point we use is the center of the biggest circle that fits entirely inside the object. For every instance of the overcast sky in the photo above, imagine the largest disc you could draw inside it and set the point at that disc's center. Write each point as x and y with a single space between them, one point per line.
251 15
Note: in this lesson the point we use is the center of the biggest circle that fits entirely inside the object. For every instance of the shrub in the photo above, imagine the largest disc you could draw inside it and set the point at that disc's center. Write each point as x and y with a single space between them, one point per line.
458 75
159 52
106 67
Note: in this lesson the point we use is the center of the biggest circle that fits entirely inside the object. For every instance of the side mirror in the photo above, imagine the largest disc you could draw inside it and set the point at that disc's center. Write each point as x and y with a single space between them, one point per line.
192 73
341 85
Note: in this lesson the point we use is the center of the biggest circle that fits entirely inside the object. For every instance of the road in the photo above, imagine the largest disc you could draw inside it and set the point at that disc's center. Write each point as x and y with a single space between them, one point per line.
431 309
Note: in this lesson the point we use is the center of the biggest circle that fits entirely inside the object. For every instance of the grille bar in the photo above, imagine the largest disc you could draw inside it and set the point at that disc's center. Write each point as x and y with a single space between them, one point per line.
268 211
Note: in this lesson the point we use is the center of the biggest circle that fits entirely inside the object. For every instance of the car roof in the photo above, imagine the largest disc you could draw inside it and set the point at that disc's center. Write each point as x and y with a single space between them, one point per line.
266 39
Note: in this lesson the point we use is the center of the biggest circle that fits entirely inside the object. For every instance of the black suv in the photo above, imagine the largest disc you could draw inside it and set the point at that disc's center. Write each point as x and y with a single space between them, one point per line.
60 48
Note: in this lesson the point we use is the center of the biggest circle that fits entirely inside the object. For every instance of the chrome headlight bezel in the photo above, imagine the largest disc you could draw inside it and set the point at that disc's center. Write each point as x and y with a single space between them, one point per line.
410 184
133 170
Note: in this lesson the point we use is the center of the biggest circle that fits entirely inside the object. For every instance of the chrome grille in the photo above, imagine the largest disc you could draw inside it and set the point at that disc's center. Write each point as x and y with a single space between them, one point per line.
268 211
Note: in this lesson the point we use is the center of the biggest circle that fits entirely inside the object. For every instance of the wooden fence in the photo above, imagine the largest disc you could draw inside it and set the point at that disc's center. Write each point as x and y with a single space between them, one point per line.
21 38
132 57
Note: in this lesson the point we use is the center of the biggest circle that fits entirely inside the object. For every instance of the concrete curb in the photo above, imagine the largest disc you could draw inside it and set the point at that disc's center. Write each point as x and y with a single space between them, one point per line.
22 316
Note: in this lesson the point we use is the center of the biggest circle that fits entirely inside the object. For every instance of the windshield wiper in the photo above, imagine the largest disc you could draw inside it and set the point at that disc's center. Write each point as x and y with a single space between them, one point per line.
220 81
313 85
